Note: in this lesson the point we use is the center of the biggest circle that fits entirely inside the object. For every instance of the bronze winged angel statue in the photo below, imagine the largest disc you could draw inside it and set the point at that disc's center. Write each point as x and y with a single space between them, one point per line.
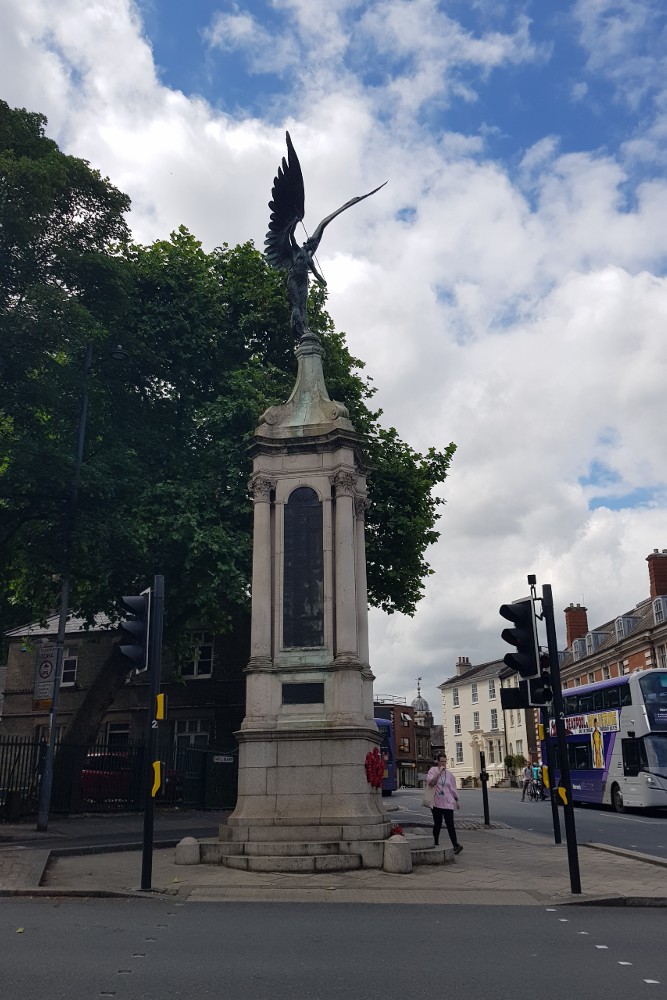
282 250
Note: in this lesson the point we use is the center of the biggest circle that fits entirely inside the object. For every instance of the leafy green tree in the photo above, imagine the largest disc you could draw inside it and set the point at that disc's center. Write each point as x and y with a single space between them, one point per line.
164 479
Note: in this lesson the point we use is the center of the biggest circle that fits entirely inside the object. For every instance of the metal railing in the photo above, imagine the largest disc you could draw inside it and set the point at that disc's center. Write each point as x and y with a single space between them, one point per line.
110 777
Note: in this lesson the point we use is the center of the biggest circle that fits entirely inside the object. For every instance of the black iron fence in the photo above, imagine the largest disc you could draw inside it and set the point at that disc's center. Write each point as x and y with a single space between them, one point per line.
111 778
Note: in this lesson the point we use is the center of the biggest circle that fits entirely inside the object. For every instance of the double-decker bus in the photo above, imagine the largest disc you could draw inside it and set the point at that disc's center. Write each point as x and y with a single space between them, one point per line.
616 736
389 783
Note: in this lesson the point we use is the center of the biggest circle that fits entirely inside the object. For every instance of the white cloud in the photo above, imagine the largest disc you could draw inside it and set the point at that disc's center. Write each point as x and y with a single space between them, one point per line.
517 308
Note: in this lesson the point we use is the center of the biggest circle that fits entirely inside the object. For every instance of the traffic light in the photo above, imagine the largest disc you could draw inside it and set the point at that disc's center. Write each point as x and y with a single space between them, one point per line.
523 636
136 629
540 692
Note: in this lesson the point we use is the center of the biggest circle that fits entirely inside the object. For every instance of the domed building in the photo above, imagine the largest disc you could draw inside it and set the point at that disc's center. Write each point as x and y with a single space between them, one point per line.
423 714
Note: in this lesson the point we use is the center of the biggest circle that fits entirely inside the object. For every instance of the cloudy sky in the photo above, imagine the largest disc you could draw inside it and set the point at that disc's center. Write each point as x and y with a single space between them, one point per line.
507 288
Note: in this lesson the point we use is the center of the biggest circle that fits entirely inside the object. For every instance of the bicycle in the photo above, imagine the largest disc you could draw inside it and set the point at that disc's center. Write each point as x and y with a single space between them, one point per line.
534 791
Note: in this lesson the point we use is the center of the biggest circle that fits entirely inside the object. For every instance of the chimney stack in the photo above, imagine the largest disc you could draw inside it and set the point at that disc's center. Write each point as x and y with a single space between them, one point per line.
576 622
462 665
657 572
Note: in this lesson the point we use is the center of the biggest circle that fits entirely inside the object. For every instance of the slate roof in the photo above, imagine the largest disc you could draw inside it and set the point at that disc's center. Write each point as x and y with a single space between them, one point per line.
50 627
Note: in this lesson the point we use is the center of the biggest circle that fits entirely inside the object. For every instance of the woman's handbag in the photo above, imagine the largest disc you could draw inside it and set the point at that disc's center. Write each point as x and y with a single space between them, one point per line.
429 794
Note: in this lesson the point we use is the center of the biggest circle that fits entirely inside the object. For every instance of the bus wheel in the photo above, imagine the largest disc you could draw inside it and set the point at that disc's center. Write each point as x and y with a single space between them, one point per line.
617 799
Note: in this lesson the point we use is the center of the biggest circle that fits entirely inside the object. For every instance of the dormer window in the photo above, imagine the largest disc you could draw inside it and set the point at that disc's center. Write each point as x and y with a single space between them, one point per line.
660 610
578 649
593 640
625 625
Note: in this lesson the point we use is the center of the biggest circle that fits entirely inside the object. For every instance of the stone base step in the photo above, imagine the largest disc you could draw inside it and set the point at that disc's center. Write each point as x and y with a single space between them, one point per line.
305 863
215 851
433 856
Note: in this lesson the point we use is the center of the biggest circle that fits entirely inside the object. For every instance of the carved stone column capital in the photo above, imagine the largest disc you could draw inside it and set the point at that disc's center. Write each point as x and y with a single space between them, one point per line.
260 488
361 505
344 483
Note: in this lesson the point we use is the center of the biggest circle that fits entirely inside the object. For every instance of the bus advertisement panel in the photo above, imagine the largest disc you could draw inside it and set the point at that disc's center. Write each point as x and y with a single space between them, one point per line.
616 739
389 782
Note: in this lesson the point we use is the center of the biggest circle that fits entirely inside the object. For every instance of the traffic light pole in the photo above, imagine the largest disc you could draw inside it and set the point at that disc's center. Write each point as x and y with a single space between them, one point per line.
551 770
484 778
154 664
565 781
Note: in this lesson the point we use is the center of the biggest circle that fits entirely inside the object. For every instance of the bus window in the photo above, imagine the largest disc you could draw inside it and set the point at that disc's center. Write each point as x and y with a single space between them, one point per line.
626 696
580 756
598 701
655 753
611 698
570 706
585 703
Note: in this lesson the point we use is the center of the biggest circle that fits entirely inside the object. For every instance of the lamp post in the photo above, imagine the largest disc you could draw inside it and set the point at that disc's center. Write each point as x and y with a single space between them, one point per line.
46 783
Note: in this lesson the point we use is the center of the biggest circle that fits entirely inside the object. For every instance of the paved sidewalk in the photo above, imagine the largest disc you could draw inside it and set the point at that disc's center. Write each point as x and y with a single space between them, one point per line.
497 866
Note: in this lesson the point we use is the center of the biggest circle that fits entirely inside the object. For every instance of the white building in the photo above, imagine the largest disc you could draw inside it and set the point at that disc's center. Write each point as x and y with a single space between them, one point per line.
473 721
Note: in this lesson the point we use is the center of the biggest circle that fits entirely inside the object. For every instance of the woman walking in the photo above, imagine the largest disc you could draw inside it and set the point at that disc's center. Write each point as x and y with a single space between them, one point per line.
445 800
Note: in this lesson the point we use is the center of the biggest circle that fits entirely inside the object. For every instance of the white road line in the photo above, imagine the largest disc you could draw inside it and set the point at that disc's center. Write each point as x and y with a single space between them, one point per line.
625 963
582 932
654 982
602 947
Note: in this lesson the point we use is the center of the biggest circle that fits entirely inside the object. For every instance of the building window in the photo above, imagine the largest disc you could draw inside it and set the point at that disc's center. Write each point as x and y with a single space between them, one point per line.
492 689
662 656
455 697
473 689
577 681
494 718
68 678
491 752
659 610
459 753
118 734
405 719
591 677
404 745
191 734
500 752
201 665
578 649
605 673
475 720
519 746
457 724
512 718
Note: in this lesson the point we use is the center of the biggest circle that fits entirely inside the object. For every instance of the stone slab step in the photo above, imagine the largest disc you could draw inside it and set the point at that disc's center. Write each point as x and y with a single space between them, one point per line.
433 856
212 851
306 863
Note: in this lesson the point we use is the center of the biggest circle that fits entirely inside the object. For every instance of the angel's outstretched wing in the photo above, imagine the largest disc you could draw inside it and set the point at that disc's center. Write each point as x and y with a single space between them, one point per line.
287 209
317 235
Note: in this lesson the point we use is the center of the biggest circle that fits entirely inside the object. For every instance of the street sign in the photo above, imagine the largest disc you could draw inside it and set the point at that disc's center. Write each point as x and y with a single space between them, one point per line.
45 674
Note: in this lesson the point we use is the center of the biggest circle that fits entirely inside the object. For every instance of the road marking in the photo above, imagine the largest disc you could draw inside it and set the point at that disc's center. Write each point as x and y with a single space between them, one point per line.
654 982
563 920
625 963
582 932
602 947
551 909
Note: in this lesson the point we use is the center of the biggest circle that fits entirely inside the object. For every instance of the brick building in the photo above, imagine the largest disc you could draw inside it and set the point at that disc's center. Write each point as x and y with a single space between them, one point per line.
633 639
405 742
205 694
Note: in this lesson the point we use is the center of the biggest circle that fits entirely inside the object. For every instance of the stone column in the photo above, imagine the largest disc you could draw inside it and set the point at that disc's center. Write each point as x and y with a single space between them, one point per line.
260 632
346 598
360 505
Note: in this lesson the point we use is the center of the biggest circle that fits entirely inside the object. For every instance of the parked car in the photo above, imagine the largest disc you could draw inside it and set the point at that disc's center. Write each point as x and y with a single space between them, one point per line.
117 777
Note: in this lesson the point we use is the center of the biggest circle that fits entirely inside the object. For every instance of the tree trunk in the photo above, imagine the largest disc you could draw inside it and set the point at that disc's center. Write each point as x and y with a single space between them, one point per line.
85 725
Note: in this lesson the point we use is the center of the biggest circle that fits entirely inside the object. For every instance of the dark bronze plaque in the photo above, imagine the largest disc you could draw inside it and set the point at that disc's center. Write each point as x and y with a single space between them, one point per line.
303 694
303 577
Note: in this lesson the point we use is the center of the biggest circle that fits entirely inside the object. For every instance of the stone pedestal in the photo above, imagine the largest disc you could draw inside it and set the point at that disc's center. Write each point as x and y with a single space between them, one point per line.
309 700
